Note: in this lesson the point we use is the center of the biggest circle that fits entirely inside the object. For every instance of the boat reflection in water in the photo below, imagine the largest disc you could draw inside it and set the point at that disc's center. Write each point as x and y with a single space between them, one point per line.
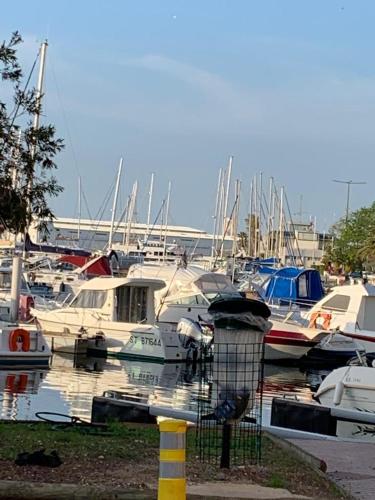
71 383
17 390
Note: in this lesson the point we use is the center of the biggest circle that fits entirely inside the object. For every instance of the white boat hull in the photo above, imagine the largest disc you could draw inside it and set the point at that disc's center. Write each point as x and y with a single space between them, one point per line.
289 341
351 387
121 339
37 356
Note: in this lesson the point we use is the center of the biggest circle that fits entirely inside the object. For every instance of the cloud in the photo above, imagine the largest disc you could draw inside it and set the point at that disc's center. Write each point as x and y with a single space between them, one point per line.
208 82
327 106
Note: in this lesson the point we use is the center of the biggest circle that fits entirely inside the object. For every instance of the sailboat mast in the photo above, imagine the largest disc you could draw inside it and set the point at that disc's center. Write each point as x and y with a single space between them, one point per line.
268 246
260 206
166 218
79 209
281 222
150 193
216 216
250 221
39 87
220 211
115 204
133 200
229 173
38 101
235 217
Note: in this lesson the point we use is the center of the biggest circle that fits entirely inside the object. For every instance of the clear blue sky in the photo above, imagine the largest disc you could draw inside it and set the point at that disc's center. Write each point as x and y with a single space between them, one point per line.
175 87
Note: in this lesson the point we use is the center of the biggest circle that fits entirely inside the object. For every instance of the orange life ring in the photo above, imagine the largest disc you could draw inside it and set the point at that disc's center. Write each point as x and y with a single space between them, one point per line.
19 335
16 383
319 314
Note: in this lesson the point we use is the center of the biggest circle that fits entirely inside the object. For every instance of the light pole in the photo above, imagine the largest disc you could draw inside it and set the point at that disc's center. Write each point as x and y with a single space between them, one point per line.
348 183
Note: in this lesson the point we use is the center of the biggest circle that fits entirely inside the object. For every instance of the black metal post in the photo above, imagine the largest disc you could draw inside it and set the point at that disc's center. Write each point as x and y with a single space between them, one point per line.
225 446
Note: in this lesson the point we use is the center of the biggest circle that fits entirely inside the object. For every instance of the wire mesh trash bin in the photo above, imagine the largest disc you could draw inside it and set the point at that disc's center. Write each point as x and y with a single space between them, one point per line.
229 427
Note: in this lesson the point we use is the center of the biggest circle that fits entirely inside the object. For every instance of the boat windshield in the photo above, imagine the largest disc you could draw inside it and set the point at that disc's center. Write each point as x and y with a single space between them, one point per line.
90 299
5 281
212 296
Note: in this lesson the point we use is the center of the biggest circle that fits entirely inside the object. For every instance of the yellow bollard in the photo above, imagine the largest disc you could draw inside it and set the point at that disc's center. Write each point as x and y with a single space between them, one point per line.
172 480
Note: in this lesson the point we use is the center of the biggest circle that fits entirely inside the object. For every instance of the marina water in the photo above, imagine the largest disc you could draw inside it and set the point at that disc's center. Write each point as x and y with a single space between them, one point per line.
70 384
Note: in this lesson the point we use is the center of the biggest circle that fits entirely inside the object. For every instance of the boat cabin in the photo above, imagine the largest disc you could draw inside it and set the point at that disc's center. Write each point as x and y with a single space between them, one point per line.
126 300
349 306
188 291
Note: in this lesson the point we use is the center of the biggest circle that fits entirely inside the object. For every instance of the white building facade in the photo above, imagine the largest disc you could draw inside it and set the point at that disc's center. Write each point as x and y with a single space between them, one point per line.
94 235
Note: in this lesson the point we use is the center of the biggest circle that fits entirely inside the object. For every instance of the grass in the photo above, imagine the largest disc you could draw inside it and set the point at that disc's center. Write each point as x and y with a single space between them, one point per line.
275 481
127 455
118 441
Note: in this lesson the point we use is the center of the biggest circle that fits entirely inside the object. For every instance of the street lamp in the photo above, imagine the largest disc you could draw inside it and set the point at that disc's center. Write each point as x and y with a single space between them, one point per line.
349 183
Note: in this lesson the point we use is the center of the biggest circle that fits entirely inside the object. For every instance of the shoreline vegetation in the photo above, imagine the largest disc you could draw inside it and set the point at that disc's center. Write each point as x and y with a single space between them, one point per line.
124 457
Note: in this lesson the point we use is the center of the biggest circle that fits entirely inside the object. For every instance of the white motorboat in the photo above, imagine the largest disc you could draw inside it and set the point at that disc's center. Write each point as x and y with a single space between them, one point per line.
348 310
22 346
351 387
116 315
190 291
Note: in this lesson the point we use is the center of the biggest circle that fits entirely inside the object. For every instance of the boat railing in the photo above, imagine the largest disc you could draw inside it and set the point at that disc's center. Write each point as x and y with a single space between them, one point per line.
49 304
287 303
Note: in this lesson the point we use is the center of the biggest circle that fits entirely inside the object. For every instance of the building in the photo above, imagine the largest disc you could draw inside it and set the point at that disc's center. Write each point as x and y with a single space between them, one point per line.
301 243
94 235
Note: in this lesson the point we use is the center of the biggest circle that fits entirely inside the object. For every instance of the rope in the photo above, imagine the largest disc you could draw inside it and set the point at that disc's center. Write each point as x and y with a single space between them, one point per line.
73 422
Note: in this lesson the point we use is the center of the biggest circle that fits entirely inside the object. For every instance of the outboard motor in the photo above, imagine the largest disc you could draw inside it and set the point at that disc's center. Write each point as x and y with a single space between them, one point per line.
191 336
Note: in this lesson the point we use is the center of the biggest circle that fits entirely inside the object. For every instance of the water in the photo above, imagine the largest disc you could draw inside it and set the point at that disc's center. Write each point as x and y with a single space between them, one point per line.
70 384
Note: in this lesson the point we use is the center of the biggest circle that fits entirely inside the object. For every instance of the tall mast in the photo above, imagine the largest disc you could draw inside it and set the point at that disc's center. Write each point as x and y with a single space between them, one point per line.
281 222
250 216
229 173
220 222
260 200
115 204
38 99
268 254
272 225
150 193
126 214
39 87
131 213
216 216
166 218
235 216
79 208
256 217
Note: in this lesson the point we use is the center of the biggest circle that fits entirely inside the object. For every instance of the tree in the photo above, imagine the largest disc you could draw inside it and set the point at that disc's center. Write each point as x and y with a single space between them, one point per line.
27 155
353 241
242 239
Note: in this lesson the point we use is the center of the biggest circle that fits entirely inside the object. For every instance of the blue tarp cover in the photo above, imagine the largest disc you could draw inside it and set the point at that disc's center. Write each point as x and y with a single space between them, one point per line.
293 284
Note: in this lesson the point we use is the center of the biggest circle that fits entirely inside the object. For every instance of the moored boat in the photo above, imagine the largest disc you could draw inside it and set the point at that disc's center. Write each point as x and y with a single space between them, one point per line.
350 387
116 315
22 346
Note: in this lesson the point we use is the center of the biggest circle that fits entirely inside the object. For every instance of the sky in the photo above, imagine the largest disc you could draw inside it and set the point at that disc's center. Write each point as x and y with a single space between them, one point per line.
177 86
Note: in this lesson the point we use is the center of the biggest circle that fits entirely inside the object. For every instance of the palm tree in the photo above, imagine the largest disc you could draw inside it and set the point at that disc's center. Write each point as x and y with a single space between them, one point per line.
367 250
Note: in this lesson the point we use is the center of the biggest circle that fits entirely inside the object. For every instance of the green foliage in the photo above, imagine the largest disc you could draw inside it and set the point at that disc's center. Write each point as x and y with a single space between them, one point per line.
26 154
354 240
276 481
243 240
